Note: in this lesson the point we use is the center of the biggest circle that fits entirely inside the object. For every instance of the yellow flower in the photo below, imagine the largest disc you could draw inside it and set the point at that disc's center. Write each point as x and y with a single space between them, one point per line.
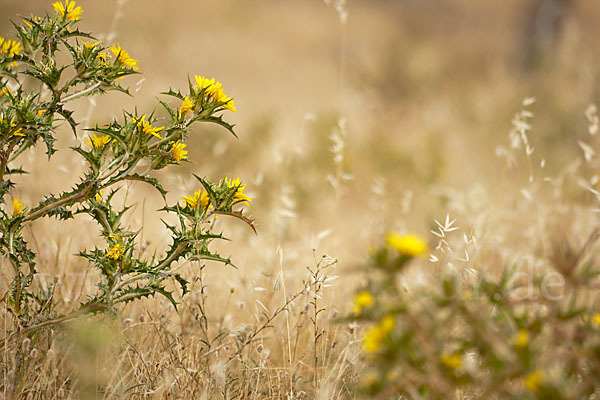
407 245
147 128
123 57
68 10
10 47
453 361
178 151
103 57
90 44
96 141
15 132
4 91
36 18
192 201
221 97
12 124
187 106
375 336
213 89
115 252
521 339
596 319
533 381
363 299
369 380
239 193
203 83
17 207
99 195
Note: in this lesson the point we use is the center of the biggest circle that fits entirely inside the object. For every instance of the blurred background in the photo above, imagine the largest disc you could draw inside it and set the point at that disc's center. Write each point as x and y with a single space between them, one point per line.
354 118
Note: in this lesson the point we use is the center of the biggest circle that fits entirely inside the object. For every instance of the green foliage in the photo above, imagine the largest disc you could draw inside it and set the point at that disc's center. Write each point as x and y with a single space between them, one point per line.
127 149
484 337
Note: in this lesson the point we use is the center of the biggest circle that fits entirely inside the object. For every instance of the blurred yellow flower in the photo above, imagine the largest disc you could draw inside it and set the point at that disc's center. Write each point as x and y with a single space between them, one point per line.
408 245
522 338
17 207
99 195
596 319
123 57
178 151
375 336
68 10
96 142
186 106
533 381
5 90
192 201
453 361
361 300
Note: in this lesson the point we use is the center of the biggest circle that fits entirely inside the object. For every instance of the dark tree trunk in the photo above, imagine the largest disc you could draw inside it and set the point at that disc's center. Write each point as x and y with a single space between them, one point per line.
543 30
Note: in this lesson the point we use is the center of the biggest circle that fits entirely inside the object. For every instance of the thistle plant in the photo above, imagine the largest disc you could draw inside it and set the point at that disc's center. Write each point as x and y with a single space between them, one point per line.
36 90
494 337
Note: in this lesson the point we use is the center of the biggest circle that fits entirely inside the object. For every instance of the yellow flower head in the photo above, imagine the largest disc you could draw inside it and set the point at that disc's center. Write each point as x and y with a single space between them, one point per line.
221 97
17 207
90 44
407 245
362 300
375 336
187 106
10 47
452 361
115 251
214 90
103 57
596 319
96 142
123 57
239 193
178 151
14 132
203 82
533 381
99 195
5 90
68 10
521 339
199 196
147 128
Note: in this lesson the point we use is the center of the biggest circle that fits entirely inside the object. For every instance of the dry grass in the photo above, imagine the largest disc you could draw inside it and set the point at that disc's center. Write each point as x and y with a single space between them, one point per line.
392 120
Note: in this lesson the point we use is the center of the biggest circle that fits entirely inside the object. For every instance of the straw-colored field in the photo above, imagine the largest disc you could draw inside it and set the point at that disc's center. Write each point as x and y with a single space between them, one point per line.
355 119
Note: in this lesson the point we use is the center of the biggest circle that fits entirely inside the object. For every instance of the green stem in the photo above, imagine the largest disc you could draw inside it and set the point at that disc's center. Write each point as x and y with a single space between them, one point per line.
54 205
54 321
